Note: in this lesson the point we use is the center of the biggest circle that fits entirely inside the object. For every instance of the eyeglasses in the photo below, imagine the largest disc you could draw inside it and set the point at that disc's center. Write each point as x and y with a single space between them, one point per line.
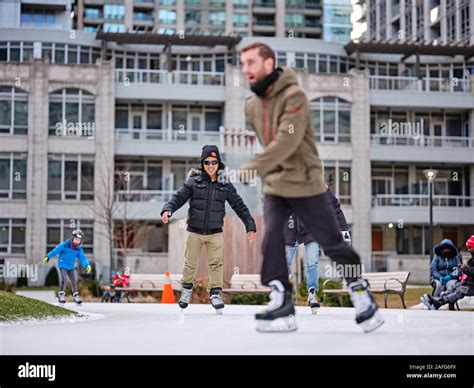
211 162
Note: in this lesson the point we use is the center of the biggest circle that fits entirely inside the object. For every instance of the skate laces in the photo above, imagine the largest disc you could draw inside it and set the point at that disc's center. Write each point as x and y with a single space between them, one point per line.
186 294
216 299
276 299
312 296
360 296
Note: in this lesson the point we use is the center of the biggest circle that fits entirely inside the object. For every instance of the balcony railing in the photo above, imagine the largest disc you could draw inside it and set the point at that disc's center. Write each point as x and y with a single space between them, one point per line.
166 135
143 195
423 141
169 78
414 84
265 3
418 200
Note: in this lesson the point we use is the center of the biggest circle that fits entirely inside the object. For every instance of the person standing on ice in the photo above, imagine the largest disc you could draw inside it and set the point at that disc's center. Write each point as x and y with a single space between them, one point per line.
296 234
292 176
69 251
207 190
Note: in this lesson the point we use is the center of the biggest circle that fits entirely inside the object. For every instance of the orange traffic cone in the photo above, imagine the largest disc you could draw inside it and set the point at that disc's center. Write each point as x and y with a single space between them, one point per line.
168 295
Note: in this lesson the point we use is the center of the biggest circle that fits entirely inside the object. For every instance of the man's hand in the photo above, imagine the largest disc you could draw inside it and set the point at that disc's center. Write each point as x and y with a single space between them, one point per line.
46 259
251 236
463 266
165 217
88 269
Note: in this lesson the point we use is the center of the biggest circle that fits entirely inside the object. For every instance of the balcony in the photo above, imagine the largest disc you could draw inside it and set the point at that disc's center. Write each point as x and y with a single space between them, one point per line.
143 204
163 142
175 85
264 7
382 82
419 148
434 92
414 209
420 200
423 141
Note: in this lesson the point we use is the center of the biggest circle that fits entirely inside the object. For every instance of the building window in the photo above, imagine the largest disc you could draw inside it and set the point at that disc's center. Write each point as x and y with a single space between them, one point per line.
12 235
12 176
331 120
168 2
114 11
38 18
337 176
192 17
59 231
13 111
138 175
166 16
241 3
114 27
16 51
70 177
217 18
72 113
294 20
241 20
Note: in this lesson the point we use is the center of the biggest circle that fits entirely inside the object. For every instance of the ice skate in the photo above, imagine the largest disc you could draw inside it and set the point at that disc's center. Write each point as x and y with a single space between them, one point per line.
61 299
367 314
280 313
77 299
216 300
313 300
430 302
186 293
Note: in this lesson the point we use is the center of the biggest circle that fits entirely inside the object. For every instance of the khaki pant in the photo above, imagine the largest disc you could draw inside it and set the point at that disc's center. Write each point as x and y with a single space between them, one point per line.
215 253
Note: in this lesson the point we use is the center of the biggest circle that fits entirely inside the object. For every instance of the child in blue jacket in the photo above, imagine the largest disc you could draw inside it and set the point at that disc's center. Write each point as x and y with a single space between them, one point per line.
68 252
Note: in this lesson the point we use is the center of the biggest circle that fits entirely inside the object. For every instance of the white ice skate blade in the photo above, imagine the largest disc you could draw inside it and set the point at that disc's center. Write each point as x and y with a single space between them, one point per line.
279 325
219 311
314 310
372 323
427 303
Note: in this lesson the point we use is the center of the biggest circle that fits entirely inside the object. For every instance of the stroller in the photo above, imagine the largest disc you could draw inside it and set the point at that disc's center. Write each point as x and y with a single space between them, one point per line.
112 295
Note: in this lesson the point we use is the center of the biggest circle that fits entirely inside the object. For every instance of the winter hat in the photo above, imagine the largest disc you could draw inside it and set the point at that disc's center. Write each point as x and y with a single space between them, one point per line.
470 242
210 150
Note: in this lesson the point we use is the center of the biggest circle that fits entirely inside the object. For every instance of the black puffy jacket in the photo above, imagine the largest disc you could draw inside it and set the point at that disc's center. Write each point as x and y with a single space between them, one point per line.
207 203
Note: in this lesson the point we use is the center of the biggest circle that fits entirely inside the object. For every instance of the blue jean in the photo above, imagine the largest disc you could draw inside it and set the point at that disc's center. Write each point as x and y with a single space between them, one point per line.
311 254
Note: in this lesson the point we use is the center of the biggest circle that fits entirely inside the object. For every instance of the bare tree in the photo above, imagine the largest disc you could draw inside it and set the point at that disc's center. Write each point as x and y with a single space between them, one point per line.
111 210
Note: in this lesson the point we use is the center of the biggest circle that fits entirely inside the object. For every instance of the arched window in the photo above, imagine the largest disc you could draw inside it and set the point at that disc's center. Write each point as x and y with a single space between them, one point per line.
331 120
13 110
71 113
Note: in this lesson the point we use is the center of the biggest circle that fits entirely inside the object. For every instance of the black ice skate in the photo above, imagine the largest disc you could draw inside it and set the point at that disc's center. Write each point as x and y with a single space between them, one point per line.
216 300
431 302
61 299
77 299
367 314
313 300
186 293
280 313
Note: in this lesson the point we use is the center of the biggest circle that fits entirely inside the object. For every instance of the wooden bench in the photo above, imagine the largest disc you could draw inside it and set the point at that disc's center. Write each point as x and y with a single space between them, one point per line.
151 282
242 283
385 283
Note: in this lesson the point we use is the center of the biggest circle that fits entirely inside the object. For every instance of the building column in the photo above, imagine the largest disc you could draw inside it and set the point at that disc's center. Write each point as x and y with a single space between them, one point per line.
37 164
104 162
361 165
280 19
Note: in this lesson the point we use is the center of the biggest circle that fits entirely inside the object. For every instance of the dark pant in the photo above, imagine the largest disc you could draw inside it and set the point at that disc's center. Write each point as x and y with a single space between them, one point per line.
458 293
319 219
68 276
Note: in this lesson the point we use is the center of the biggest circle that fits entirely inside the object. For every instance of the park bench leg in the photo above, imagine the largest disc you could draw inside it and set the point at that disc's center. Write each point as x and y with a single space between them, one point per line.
385 297
403 301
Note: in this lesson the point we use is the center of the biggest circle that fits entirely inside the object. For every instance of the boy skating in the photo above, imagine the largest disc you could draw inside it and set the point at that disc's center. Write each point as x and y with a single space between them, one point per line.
207 190
69 251
292 182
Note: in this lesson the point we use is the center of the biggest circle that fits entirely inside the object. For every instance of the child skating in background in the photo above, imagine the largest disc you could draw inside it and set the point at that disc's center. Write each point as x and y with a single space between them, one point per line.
68 252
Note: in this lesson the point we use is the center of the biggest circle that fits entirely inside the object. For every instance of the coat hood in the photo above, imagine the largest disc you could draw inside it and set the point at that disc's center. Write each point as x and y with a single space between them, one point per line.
446 243
287 78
